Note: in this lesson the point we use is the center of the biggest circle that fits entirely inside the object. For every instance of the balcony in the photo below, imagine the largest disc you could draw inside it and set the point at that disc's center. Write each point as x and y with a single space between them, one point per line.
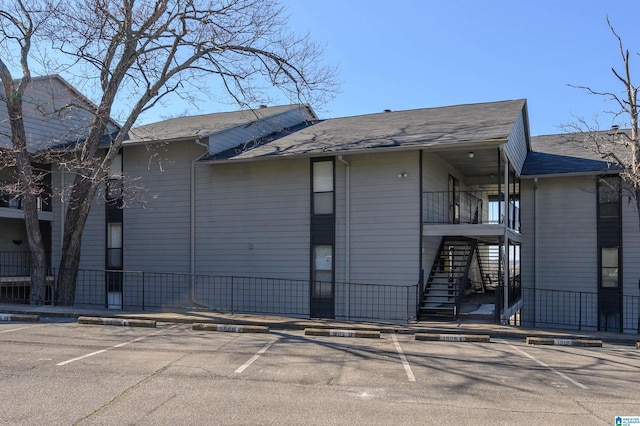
11 206
480 213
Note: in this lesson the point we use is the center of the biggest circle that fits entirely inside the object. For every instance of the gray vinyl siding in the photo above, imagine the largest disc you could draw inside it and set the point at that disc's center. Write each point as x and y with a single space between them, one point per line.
631 266
567 243
253 219
60 123
233 137
516 147
93 238
630 248
567 236
92 254
385 218
527 229
156 223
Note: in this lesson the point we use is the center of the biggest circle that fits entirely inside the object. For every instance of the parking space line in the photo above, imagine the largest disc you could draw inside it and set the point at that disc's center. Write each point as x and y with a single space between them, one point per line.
564 376
119 345
403 359
20 328
257 355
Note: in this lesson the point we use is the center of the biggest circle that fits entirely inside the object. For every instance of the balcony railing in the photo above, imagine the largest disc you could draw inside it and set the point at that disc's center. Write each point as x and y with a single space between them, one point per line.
468 207
11 201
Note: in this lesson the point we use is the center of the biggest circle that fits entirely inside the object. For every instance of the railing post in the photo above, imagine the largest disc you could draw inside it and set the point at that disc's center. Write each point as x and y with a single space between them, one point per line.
232 294
580 312
143 283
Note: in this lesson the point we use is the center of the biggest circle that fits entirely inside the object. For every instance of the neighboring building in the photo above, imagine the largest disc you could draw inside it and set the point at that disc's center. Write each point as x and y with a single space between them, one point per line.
55 115
390 216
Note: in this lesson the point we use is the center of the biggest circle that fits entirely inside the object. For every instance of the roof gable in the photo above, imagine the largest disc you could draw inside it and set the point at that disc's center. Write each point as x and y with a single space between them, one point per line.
55 114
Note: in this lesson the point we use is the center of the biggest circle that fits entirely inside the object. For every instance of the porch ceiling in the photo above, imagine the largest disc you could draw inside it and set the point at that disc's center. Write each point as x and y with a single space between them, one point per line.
481 169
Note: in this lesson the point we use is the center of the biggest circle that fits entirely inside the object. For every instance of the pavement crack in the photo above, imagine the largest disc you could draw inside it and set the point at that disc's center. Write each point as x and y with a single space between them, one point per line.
128 390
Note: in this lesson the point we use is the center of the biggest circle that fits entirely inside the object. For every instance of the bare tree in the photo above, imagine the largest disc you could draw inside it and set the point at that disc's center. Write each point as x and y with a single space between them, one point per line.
18 27
146 51
620 145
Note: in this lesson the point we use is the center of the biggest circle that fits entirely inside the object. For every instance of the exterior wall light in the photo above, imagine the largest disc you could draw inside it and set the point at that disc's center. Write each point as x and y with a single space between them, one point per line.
402 175
471 154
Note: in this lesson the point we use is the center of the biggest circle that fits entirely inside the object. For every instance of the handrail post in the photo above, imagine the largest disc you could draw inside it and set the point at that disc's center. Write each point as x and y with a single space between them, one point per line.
143 283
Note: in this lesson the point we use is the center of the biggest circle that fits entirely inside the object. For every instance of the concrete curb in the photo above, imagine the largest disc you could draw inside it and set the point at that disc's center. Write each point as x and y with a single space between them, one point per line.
367 334
19 317
117 321
476 338
229 328
590 343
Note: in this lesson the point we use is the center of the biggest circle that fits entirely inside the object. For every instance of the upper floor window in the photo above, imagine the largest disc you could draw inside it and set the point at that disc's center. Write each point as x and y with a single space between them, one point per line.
609 195
323 187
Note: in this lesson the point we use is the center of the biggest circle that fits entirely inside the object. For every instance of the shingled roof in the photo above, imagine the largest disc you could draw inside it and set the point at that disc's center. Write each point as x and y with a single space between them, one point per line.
420 128
563 154
200 126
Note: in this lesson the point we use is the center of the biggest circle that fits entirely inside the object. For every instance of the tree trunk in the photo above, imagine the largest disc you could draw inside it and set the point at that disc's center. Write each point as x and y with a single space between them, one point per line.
28 190
82 195
38 254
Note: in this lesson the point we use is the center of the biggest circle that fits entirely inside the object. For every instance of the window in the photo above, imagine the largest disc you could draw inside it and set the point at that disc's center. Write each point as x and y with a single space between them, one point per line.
322 271
114 246
609 199
609 267
323 187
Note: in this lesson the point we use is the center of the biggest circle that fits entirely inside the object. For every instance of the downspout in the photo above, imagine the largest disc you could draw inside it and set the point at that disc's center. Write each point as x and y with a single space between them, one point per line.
192 218
54 289
347 231
505 257
535 248
421 242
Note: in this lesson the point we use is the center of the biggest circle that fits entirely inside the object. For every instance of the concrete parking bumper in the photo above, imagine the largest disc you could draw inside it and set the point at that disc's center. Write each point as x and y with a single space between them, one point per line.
367 334
117 321
230 328
432 337
19 317
592 343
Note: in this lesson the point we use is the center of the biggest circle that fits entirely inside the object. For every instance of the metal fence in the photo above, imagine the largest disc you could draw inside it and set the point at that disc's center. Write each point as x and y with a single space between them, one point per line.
136 290
575 310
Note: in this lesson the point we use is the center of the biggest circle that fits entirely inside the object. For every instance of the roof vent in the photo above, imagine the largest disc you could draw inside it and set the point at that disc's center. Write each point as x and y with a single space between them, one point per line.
263 106
615 127
387 110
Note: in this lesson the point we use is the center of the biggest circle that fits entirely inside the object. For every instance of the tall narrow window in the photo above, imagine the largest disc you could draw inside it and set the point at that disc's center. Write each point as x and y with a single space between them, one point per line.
114 259
609 256
610 253
322 271
114 245
323 187
322 238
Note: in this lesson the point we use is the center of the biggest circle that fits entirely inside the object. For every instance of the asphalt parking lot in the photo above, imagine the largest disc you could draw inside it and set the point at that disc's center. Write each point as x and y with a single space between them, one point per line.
60 372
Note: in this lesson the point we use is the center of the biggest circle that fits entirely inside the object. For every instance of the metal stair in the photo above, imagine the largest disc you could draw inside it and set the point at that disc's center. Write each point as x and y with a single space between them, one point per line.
448 279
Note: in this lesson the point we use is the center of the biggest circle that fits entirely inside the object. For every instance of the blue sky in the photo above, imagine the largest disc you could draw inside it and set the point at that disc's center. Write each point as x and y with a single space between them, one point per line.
408 54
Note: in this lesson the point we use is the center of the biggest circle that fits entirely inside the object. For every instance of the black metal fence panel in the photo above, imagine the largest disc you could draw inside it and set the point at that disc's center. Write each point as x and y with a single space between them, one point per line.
573 309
